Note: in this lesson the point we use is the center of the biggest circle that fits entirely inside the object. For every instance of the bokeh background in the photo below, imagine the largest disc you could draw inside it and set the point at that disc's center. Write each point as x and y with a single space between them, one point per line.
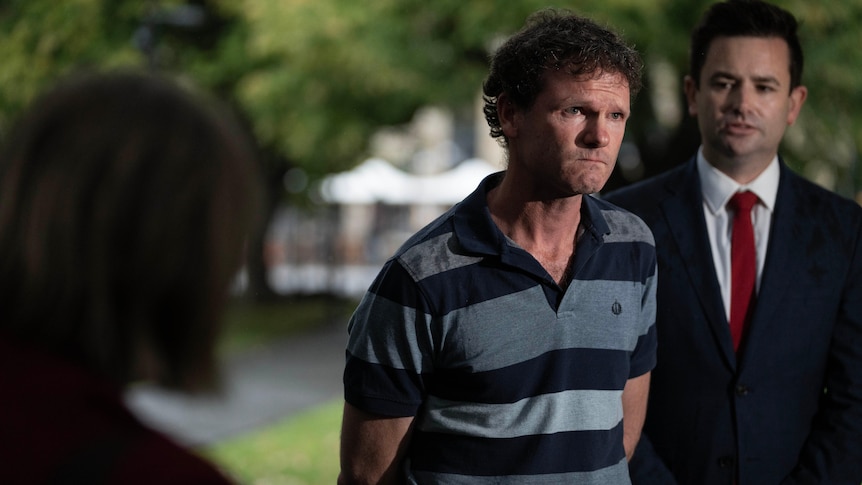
368 123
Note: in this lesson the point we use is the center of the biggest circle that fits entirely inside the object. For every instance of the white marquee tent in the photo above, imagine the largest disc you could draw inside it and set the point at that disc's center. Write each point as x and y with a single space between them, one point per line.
376 180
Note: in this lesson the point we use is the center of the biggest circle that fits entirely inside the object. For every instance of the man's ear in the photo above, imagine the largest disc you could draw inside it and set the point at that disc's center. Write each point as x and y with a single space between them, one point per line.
690 88
508 113
797 99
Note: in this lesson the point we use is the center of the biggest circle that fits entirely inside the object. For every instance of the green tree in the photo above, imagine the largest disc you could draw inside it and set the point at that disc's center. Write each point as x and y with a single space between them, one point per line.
322 75
315 78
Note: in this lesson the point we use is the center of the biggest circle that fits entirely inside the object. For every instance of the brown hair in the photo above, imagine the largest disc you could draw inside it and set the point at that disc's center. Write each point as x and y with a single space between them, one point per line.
554 39
124 203
745 18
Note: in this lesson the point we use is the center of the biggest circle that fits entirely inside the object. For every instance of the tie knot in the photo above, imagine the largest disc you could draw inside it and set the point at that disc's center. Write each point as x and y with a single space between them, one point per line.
742 202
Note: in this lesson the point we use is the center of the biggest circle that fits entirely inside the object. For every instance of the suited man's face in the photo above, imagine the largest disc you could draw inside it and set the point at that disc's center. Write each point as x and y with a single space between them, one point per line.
744 103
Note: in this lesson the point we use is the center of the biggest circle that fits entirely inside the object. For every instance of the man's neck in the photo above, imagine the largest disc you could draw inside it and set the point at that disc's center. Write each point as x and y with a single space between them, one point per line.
741 170
546 229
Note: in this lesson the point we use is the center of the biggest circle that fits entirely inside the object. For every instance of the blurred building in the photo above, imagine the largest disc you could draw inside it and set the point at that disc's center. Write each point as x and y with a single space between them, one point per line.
415 174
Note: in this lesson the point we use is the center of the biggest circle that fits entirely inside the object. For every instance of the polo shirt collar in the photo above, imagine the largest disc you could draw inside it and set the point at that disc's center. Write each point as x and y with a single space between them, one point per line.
477 232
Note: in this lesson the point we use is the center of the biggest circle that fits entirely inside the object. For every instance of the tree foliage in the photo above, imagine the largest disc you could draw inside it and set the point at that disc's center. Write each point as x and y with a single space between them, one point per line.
315 78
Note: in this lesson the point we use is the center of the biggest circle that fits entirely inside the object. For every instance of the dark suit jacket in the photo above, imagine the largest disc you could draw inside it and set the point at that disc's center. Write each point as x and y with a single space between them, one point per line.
788 409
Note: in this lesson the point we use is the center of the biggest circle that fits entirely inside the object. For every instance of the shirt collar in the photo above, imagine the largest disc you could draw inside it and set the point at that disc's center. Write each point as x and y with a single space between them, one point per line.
472 221
479 234
718 188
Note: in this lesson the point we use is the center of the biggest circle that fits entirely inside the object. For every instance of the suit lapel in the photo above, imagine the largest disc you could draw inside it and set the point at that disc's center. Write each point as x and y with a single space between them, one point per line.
784 258
683 211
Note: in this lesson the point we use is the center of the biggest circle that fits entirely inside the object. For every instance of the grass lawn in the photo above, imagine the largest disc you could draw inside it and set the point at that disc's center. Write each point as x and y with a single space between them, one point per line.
301 449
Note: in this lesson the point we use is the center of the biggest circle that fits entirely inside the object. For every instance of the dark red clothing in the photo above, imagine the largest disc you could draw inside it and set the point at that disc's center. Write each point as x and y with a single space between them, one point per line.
60 424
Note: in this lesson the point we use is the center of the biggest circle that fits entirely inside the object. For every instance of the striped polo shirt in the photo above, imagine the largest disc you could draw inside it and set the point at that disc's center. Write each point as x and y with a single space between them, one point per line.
510 378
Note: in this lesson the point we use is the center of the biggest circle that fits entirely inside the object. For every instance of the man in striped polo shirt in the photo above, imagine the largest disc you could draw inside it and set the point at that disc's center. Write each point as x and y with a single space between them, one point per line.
512 339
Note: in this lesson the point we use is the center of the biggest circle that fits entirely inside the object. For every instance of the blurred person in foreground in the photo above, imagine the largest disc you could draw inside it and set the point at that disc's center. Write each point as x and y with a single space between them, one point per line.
759 373
124 203
511 341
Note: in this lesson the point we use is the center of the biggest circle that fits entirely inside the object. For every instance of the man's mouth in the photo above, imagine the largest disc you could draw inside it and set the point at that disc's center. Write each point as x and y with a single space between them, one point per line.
738 128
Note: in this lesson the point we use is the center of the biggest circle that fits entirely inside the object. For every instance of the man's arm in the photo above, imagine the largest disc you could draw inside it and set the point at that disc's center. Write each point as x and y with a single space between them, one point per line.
372 447
645 466
833 451
634 411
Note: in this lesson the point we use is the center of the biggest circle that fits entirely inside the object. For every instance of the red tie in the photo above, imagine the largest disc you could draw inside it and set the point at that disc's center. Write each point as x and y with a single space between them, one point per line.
743 265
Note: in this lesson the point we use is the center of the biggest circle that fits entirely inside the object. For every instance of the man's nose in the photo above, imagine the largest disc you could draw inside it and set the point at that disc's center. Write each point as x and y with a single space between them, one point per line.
740 98
596 135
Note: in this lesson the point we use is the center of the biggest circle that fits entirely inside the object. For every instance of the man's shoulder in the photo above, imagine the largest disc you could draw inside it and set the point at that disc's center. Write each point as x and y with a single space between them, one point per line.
817 194
645 197
650 189
463 215
435 249
624 225
430 234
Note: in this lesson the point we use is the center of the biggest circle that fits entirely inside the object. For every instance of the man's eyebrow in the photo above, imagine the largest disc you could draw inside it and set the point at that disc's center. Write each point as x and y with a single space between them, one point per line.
723 75
767 79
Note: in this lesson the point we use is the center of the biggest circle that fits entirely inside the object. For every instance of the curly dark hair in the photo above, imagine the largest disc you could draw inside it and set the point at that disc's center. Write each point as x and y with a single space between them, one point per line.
554 39
745 18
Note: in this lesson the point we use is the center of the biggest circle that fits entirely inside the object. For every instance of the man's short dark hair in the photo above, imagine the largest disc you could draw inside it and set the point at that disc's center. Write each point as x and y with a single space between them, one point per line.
745 18
553 39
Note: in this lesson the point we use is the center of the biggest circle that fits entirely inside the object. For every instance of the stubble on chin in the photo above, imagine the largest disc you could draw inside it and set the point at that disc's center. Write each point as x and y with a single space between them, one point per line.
591 182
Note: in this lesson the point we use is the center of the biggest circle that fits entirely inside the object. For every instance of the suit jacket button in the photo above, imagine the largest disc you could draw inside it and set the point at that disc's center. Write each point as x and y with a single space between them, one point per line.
726 462
742 390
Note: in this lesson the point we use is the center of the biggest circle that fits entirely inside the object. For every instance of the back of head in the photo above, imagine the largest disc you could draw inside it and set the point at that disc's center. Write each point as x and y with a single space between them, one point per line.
555 40
124 201
745 18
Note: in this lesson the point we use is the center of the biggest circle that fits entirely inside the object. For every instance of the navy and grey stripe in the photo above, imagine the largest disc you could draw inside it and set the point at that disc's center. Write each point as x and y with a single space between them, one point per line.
511 380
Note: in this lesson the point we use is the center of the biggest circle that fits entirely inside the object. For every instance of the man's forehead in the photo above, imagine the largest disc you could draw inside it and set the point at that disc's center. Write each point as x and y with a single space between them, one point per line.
579 75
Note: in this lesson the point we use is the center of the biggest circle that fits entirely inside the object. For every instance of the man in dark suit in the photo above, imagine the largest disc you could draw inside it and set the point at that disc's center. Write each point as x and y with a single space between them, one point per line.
759 377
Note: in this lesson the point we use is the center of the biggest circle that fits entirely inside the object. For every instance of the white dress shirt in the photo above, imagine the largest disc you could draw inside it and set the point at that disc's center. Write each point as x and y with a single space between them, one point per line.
717 190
